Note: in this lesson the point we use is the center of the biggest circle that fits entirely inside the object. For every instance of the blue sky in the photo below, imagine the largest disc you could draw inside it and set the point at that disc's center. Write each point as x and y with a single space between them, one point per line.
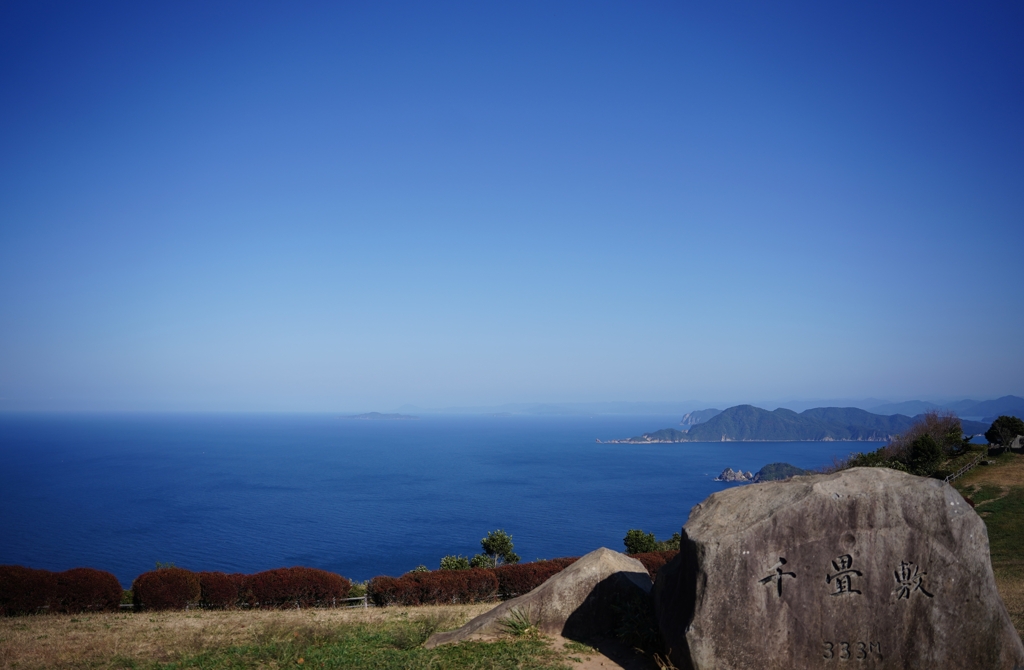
341 206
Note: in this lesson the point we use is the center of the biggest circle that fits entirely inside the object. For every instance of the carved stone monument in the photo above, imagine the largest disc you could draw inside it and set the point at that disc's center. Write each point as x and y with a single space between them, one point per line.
866 568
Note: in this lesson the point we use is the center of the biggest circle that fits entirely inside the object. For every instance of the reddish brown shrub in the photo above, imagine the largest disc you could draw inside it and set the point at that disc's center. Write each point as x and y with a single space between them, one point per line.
291 587
456 586
86 590
217 589
520 578
383 591
241 584
166 589
25 590
654 560
433 588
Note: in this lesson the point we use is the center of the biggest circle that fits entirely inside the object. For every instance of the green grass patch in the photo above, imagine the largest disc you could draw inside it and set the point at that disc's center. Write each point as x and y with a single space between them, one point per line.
396 645
985 493
1004 522
579 648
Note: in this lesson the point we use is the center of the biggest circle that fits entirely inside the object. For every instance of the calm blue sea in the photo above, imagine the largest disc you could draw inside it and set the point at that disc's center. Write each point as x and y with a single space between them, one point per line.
243 493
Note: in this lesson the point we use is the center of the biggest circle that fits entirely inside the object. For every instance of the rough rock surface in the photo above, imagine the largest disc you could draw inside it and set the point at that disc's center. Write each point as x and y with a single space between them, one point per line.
574 603
730 475
868 567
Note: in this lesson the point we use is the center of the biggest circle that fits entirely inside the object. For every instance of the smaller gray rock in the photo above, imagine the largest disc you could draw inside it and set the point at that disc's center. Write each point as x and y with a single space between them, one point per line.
575 603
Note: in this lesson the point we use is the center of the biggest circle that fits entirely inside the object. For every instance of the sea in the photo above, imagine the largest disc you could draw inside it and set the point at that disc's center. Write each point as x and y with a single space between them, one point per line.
244 492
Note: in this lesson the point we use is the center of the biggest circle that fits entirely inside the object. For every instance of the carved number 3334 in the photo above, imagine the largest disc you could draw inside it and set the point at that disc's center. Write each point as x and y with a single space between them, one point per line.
844 651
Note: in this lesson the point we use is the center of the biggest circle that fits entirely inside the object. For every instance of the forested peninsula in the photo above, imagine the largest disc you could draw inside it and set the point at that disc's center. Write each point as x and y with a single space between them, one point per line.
746 423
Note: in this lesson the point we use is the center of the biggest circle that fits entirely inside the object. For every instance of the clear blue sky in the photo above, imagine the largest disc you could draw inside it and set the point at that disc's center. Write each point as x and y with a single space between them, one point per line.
351 206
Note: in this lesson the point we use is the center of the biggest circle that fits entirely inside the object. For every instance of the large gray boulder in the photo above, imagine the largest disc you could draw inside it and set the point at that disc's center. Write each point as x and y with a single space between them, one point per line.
867 567
575 603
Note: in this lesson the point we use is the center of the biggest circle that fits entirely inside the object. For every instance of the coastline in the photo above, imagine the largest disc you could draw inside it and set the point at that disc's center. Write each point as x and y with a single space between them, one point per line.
826 439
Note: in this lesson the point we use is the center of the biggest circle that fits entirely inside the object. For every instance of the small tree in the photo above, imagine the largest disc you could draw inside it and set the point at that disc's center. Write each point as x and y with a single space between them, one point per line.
671 544
924 456
943 428
497 548
922 448
1003 430
639 542
455 563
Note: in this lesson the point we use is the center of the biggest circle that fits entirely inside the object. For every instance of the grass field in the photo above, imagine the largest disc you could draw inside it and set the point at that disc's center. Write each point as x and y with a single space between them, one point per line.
374 638
998 494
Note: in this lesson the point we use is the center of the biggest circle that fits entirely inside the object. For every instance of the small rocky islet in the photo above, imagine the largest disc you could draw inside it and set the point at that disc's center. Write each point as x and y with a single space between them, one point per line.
769 473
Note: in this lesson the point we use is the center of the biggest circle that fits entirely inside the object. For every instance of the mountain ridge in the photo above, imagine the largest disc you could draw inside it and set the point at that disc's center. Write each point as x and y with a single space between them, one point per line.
747 423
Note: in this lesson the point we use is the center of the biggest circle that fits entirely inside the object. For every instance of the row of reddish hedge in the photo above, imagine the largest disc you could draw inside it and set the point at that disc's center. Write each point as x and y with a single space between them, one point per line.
26 591
175 588
433 588
461 586
520 578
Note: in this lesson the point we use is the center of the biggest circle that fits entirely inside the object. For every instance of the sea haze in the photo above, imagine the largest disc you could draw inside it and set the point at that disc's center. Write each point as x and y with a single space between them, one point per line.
243 493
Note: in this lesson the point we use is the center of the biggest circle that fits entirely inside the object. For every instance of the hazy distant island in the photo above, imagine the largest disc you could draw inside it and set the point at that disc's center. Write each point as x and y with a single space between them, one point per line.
746 423
377 416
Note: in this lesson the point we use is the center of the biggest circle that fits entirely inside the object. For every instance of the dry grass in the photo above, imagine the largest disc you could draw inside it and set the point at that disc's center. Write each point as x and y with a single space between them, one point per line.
125 640
1010 582
1008 471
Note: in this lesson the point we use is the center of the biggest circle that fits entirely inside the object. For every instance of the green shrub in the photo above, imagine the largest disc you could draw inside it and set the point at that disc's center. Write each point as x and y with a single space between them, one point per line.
671 544
455 563
358 589
497 548
933 439
924 455
1003 430
639 542
517 623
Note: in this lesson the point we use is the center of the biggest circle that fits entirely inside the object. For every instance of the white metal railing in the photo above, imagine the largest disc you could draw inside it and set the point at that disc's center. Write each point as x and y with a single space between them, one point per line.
964 470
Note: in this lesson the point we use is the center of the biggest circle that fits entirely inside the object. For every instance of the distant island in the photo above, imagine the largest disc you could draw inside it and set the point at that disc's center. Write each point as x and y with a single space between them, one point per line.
377 416
746 423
